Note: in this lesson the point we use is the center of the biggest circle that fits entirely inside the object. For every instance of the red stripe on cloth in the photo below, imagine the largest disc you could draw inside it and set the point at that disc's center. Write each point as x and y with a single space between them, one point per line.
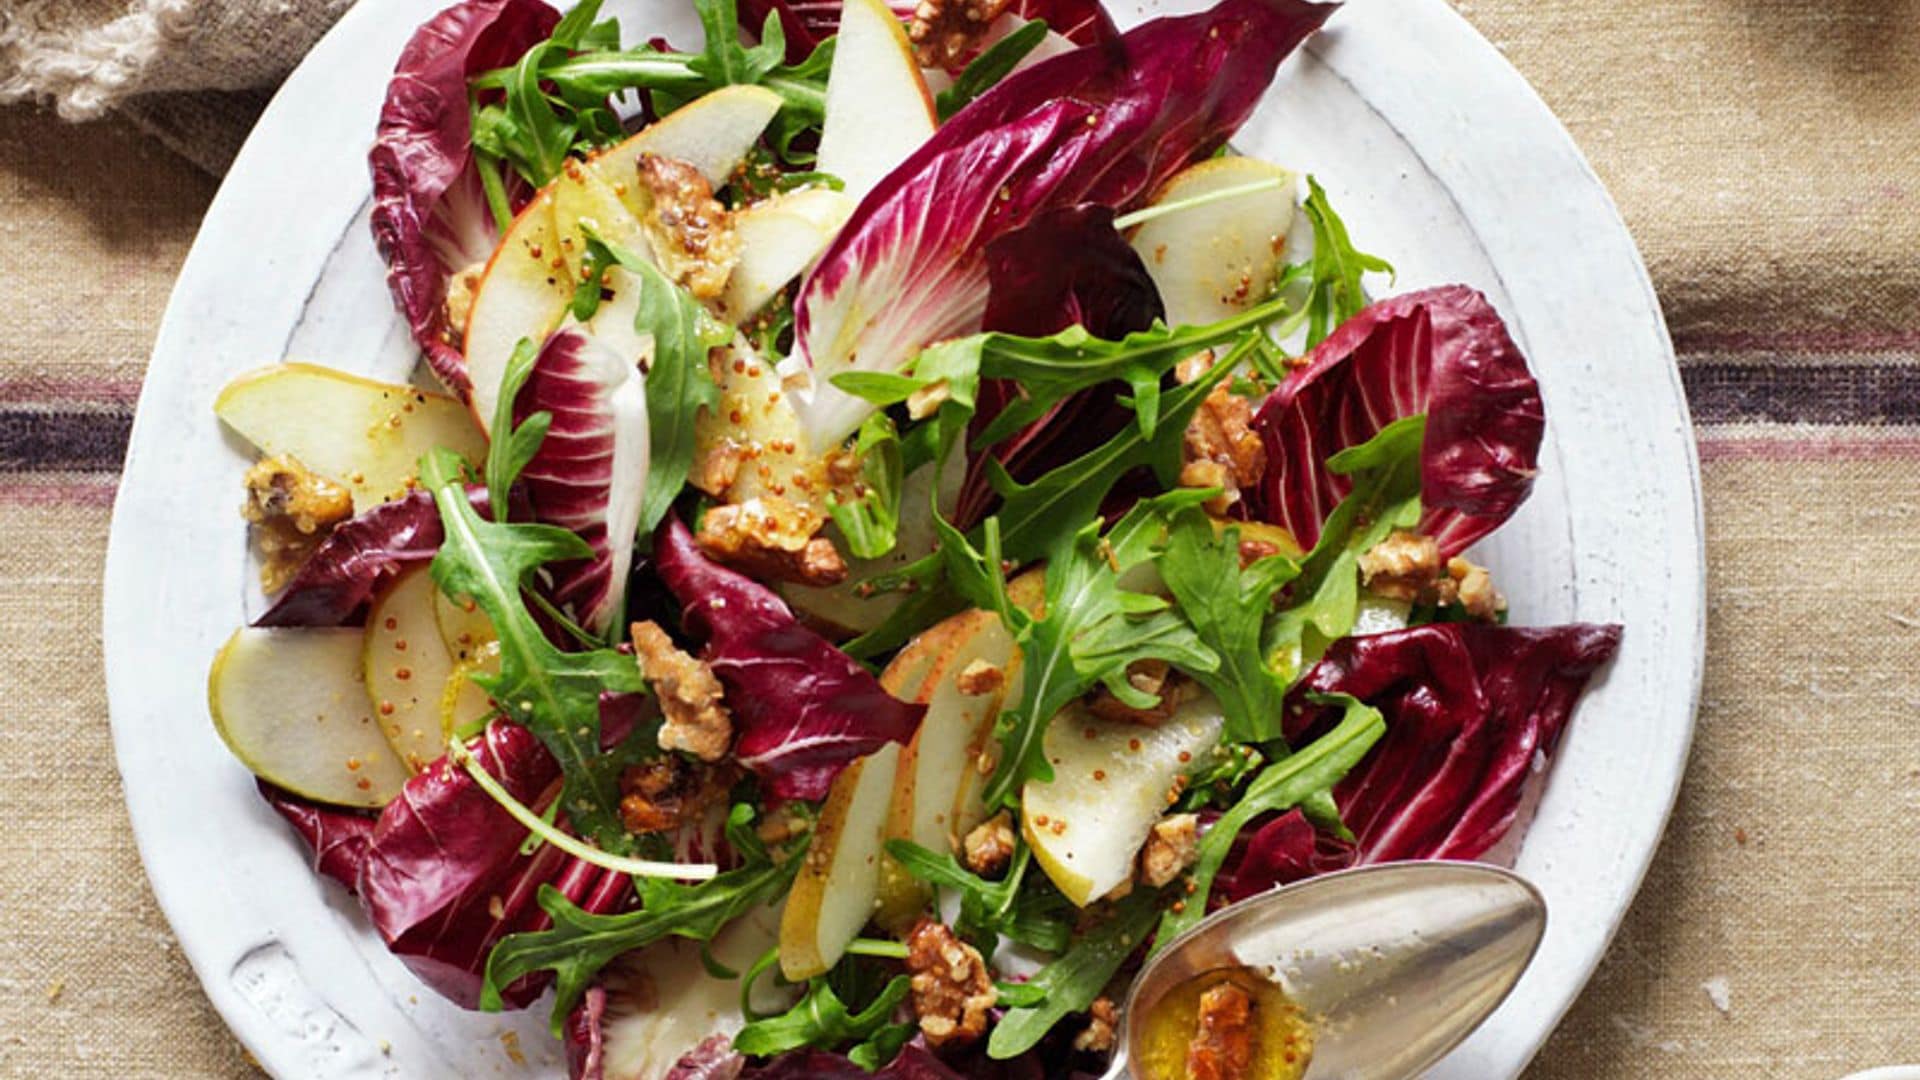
98 493
1796 446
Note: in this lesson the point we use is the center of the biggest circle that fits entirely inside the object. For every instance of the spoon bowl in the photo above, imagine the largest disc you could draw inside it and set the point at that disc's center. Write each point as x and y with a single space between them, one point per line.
1393 964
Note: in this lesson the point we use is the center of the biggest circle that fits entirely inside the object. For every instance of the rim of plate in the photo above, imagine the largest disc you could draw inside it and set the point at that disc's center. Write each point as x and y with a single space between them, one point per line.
1515 177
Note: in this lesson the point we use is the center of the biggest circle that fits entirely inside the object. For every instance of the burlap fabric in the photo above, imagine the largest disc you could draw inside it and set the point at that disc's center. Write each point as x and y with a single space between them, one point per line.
1767 156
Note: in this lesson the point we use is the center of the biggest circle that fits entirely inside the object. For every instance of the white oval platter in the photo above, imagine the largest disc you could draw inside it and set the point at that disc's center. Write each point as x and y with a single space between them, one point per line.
1438 155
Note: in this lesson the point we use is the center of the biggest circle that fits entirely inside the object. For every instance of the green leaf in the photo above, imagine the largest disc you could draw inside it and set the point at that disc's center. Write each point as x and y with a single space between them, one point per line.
995 63
679 383
1333 275
580 943
1072 982
1385 496
1309 771
1010 907
820 1019
512 448
1228 607
869 522
553 694
542 136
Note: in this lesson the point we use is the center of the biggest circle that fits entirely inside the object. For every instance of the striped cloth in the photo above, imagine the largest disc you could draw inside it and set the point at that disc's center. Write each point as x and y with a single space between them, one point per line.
1766 154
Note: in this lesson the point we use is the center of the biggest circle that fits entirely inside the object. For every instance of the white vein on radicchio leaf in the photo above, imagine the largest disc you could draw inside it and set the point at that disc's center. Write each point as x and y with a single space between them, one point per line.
1103 124
802 709
591 470
1443 352
430 214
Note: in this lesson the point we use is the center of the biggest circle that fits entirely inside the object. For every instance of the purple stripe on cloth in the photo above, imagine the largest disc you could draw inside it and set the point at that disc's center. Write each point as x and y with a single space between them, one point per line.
1801 341
1748 444
1722 392
88 491
39 439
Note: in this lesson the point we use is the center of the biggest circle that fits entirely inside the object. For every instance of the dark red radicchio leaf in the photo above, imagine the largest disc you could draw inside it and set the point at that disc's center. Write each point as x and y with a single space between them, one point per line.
590 473
1066 267
1467 706
336 839
444 880
1103 125
914 1062
802 709
357 559
430 213
1444 352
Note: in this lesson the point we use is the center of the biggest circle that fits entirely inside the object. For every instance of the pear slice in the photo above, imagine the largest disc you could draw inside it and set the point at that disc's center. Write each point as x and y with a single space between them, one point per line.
1213 261
408 667
364 435
292 706
712 133
523 293
779 238
1110 784
878 109
833 896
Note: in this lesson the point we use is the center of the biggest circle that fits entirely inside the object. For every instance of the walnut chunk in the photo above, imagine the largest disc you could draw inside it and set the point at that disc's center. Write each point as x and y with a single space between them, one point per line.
1220 447
1155 677
1404 566
462 287
692 234
989 847
759 537
666 793
716 468
1103 1024
1169 849
980 676
1222 1046
952 987
945 32
696 721
1474 587
292 511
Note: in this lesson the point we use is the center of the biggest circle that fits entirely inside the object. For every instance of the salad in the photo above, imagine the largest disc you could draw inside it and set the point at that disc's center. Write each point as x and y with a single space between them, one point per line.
911 520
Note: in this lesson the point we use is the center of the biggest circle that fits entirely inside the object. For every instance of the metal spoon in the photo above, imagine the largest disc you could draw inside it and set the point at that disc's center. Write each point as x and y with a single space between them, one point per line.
1393 964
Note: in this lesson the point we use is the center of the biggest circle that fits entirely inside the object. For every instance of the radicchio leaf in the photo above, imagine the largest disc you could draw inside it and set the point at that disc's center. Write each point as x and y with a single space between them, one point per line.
358 558
336 838
591 470
430 214
1443 352
444 878
1103 125
802 709
1467 707
1066 267
809 22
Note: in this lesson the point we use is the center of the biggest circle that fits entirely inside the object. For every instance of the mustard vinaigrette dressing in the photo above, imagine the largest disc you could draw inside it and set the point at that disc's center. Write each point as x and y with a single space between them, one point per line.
1279 1047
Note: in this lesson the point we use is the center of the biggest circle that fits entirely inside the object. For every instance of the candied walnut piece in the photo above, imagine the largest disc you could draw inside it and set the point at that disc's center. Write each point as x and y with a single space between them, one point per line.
980 677
461 289
696 720
1474 587
692 233
717 467
1169 849
952 988
1148 677
1404 566
1103 1024
758 537
944 32
989 847
667 792
1222 1046
293 510
1220 448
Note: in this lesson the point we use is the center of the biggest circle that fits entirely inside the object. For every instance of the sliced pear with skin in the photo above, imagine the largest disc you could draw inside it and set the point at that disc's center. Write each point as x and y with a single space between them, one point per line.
1110 785
463 627
523 293
933 805
407 667
363 434
779 238
833 896
712 133
463 705
292 706
584 201
878 109
1213 261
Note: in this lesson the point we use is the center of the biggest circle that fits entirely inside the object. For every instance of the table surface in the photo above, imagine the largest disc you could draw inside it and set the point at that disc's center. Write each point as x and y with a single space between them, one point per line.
1765 154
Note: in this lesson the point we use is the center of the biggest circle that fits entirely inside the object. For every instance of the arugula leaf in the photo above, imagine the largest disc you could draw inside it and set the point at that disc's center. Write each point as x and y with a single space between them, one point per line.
1228 607
1385 496
679 383
1091 631
509 453
1070 983
820 1019
992 65
579 943
1332 276
869 523
553 694
1311 770
989 909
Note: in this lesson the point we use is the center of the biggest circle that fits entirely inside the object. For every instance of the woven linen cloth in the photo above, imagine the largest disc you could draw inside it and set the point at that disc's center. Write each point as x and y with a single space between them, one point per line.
1766 154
